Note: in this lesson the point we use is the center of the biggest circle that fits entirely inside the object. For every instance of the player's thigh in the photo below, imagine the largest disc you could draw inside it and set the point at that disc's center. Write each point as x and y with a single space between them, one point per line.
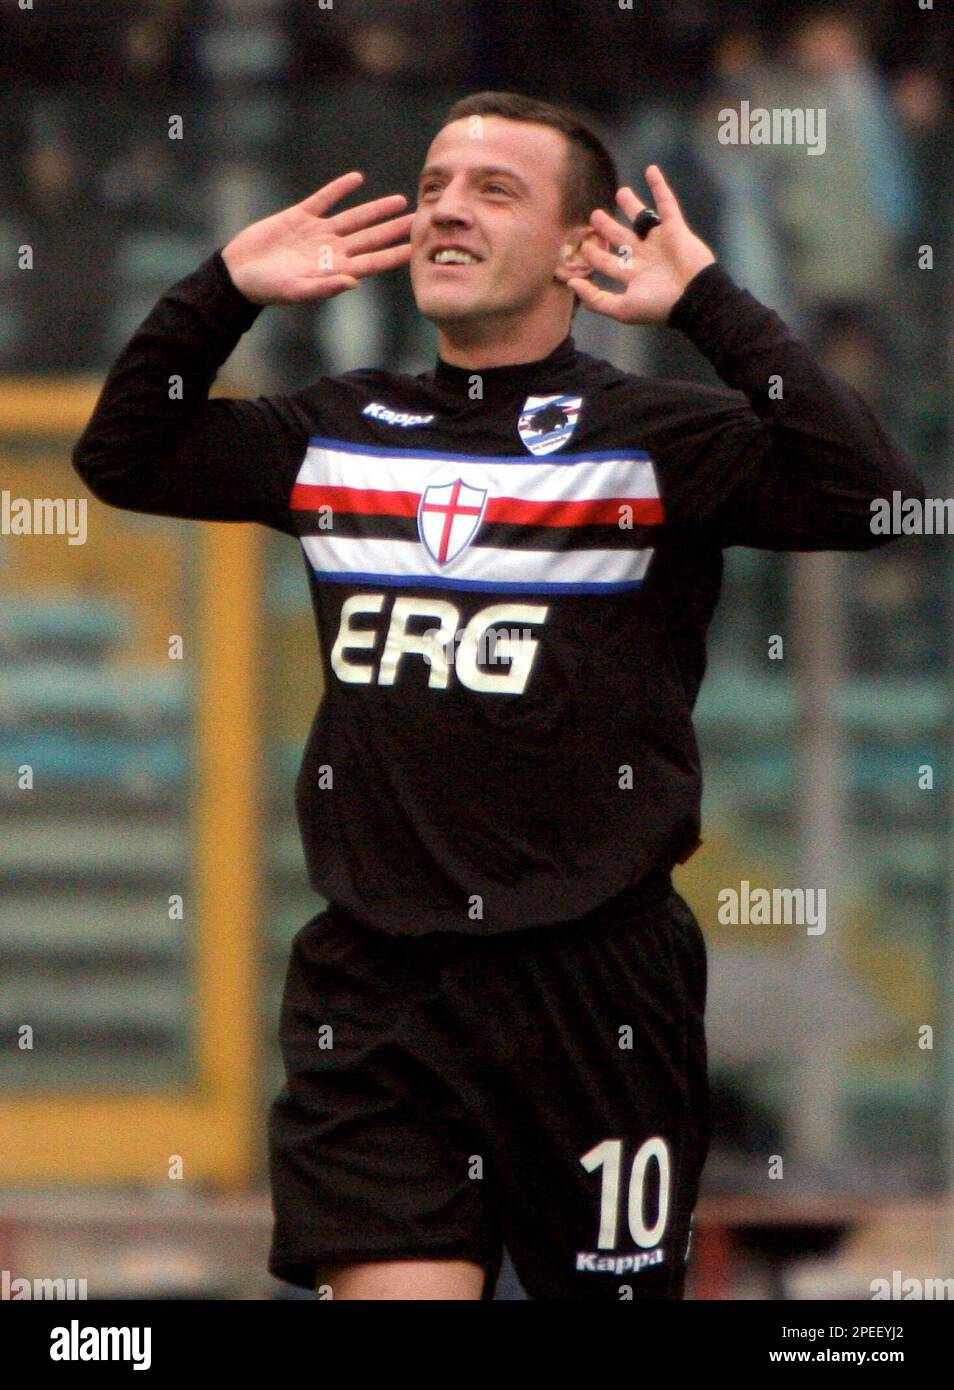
403 1279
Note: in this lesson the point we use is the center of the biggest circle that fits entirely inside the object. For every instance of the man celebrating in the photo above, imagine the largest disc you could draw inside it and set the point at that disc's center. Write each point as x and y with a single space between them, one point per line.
513 560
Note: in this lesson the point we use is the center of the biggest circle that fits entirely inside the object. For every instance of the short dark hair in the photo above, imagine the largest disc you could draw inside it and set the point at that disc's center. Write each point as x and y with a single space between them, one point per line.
591 179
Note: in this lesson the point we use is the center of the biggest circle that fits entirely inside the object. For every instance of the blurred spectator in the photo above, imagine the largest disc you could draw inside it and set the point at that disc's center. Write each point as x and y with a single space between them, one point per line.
919 38
924 116
853 344
845 210
57 42
746 232
157 42
373 49
147 185
14 127
73 250
244 43
602 57
115 42
400 43
923 310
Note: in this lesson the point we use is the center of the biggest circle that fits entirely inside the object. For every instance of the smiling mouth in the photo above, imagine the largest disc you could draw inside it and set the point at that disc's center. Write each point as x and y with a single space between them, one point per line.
452 257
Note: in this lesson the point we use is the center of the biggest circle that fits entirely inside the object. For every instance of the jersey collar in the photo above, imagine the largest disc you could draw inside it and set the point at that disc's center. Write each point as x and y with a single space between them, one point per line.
513 379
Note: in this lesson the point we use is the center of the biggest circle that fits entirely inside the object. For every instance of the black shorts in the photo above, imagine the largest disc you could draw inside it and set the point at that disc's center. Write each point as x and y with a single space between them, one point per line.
449 1095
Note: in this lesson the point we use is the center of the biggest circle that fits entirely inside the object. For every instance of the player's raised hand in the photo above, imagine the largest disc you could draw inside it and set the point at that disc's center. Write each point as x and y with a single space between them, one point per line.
305 253
654 271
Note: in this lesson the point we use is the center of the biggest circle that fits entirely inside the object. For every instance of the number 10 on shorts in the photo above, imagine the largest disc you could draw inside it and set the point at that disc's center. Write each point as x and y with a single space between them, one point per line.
609 1157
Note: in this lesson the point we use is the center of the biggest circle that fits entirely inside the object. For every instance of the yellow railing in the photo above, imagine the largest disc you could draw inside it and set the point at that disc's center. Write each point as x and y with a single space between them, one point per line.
100 1136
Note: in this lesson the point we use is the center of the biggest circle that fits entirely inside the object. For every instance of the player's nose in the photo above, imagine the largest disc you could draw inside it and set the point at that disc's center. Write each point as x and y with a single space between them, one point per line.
451 204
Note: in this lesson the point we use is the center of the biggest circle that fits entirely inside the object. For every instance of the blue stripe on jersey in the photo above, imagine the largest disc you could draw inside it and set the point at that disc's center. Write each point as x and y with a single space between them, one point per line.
376 451
408 581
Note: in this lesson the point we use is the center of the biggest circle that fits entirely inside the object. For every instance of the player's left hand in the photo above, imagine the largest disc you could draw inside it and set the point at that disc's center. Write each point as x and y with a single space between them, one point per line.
654 271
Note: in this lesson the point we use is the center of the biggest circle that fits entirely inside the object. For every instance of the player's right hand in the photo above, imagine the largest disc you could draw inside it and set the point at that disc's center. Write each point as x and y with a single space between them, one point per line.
302 254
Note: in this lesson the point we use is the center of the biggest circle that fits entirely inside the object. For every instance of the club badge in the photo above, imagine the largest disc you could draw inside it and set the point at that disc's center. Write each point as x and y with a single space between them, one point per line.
547 422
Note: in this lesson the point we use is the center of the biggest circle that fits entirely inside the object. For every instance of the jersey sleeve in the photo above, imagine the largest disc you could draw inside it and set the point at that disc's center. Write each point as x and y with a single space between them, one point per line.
795 461
156 443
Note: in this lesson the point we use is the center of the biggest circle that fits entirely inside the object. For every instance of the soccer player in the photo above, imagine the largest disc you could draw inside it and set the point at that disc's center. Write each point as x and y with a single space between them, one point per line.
513 560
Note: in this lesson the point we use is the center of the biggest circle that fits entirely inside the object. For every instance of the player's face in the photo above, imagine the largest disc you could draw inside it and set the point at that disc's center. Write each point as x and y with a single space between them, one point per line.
491 187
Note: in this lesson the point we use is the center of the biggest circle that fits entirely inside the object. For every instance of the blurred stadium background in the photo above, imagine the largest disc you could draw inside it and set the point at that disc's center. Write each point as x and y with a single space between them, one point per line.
154 1037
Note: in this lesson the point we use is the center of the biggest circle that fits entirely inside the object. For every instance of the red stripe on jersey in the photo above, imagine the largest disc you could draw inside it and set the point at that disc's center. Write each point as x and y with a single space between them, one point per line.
373 501
593 511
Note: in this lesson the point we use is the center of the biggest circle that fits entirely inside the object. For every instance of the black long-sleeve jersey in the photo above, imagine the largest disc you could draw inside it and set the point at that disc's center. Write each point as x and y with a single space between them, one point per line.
512 573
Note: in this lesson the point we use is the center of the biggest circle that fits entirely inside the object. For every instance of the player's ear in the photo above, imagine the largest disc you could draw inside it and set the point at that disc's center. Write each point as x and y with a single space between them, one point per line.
572 261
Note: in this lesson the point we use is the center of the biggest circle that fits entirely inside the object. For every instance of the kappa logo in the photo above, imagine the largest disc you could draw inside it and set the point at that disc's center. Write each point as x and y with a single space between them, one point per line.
394 417
547 422
592 1262
448 517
